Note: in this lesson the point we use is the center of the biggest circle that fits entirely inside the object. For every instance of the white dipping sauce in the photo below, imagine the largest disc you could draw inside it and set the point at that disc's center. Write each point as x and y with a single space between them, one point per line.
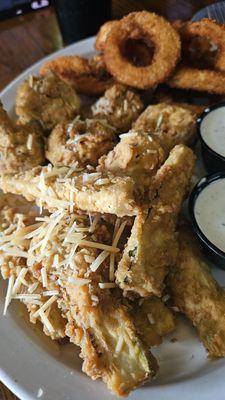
212 130
209 211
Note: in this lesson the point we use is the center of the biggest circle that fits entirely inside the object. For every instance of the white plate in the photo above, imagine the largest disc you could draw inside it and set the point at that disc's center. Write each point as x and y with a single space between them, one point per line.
29 360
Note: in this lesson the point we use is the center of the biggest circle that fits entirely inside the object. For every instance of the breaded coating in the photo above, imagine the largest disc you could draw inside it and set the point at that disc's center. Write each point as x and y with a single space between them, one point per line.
47 100
172 124
144 27
97 320
120 106
152 246
153 320
102 35
21 145
16 266
196 79
100 331
137 155
87 76
54 188
81 141
197 294
203 60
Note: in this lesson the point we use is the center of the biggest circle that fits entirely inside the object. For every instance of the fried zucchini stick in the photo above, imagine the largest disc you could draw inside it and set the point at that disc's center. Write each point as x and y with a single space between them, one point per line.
153 320
152 246
63 254
92 192
197 294
110 345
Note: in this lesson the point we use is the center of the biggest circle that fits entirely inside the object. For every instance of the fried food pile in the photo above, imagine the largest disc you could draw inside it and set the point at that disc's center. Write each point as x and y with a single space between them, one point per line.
91 238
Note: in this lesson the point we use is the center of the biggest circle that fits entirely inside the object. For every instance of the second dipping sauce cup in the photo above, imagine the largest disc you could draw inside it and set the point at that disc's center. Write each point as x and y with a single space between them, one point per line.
207 212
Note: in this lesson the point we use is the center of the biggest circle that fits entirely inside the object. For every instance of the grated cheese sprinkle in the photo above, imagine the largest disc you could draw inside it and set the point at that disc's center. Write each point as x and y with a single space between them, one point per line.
151 318
95 245
29 142
46 321
117 236
159 121
51 293
33 287
45 306
107 285
19 281
94 223
44 276
99 260
119 345
8 293
50 229
89 259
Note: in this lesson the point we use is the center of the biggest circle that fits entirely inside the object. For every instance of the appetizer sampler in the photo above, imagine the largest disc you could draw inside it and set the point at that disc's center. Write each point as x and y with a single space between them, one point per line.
91 242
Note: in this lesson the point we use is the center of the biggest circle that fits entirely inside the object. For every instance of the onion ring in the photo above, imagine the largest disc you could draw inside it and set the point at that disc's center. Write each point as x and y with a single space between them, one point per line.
210 30
207 80
200 80
88 77
150 28
103 34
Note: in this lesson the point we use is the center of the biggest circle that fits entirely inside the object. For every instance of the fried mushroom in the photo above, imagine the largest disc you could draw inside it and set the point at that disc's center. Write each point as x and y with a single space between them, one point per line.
21 145
120 106
46 99
81 141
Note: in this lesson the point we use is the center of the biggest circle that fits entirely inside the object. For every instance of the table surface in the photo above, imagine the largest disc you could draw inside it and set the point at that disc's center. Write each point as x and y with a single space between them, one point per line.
26 39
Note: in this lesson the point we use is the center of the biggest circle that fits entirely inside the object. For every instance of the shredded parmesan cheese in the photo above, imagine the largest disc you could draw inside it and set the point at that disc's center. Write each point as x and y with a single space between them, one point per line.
117 236
102 181
150 318
45 306
99 260
33 287
51 293
119 345
112 267
107 285
89 259
8 293
29 142
159 121
51 227
46 321
19 279
94 223
44 277
95 245
56 261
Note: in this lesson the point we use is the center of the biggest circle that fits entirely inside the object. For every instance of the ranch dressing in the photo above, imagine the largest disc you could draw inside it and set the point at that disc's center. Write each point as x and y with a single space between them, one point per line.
209 211
212 130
